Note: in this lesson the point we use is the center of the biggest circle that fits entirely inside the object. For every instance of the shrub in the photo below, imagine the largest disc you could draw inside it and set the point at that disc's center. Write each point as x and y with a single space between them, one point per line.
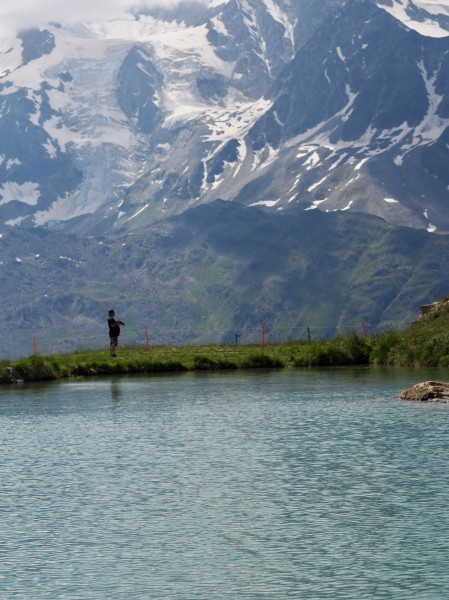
164 367
382 347
204 363
354 350
261 361
35 368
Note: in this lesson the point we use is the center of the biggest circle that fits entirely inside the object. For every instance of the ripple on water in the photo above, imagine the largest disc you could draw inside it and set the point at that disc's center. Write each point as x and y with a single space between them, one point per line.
270 485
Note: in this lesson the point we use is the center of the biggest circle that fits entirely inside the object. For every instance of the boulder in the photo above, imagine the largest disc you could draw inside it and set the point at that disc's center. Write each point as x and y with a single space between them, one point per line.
427 391
11 376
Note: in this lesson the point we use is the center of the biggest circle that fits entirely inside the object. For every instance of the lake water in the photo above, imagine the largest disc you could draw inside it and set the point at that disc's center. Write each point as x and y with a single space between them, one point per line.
305 484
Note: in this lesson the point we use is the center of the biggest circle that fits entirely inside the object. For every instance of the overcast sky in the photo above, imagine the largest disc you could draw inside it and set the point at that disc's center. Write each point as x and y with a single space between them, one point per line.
18 14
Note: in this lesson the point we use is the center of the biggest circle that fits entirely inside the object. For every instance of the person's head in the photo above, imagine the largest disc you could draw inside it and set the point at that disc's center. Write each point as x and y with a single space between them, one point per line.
111 313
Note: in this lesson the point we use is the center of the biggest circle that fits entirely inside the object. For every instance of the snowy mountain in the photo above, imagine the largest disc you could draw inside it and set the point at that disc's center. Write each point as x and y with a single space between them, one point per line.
87 110
362 120
332 105
208 165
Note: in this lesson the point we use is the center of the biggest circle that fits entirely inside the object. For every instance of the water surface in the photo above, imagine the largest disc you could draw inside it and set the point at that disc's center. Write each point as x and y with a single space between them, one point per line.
305 484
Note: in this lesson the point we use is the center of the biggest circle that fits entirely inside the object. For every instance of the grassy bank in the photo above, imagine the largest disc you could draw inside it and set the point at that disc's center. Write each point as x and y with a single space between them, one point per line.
342 350
424 344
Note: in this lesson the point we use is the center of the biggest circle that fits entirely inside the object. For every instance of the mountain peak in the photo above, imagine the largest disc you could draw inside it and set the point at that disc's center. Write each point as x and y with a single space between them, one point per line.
274 103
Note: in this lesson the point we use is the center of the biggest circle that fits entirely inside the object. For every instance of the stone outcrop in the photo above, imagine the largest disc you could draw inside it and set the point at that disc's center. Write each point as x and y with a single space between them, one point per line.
434 307
427 391
11 376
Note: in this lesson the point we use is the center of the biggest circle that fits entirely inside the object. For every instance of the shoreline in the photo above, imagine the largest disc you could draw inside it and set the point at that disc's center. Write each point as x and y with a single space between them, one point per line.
345 351
423 345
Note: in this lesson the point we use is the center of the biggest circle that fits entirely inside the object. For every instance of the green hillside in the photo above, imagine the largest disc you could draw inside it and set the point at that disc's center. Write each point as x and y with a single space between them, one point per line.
424 343
214 271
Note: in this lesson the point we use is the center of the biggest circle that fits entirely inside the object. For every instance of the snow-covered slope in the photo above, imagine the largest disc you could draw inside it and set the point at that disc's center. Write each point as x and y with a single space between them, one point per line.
427 17
361 120
103 100
330 105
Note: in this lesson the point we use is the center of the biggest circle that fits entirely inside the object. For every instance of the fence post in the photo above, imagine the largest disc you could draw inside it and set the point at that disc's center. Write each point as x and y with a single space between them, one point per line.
364 328
263 334
34 345
147 339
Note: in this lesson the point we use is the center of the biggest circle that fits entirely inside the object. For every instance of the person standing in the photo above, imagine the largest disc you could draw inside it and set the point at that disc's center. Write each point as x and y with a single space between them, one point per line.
114 332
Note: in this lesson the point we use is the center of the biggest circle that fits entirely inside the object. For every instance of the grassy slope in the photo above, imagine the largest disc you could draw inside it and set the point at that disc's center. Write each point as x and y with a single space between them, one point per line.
424 344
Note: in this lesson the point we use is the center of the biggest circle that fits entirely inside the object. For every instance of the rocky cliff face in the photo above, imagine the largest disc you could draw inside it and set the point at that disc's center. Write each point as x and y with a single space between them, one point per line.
330 105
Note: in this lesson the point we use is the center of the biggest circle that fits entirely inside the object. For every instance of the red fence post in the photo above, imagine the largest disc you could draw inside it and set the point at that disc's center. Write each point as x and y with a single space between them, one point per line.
146 338
364 328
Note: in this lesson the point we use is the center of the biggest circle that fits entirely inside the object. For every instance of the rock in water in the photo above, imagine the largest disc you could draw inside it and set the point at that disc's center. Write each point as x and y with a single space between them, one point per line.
427 391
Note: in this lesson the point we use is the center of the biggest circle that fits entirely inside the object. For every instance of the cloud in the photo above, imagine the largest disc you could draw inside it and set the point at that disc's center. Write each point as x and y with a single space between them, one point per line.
22 14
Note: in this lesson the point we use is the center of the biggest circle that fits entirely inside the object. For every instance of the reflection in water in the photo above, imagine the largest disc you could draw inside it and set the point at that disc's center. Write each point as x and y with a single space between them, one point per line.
116 391
295 484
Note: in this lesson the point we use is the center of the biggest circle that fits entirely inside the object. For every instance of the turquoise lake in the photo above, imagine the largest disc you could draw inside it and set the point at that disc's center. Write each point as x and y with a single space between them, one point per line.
304 484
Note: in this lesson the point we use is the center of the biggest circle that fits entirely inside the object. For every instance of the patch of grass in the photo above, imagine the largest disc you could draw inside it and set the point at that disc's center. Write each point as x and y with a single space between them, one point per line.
341 350
382 347
205 363
37 368
260 360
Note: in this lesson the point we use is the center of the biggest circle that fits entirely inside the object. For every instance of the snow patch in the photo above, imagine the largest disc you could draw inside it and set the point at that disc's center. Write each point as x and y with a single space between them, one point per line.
264 157
12 162
279 16
315 204
340 54
268 203
433 7
138 212
14 222
219 26
339 160
312 161
430 228
298 177
242 152
28 192
225 125
317 184
400 10
51 149
360 164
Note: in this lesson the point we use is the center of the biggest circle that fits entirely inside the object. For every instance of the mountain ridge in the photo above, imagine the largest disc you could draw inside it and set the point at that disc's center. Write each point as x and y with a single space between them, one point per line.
163 110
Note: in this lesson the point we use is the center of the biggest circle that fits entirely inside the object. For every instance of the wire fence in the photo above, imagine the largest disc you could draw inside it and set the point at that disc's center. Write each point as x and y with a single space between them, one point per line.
147 337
